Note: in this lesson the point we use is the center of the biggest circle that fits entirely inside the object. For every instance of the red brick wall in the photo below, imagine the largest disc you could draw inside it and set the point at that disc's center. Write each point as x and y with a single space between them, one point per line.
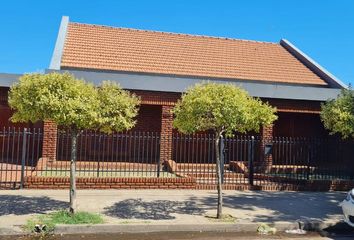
299 125
110 183
166 133
267 137
49 148
157 98
149 119
300 106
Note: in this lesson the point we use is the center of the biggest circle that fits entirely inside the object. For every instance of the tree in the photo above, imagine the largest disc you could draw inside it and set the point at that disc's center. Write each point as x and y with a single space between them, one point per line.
337 115
224 109
73 104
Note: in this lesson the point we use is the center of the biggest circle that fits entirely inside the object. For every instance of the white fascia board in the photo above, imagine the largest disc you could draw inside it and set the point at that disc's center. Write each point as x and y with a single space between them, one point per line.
59 45
313 65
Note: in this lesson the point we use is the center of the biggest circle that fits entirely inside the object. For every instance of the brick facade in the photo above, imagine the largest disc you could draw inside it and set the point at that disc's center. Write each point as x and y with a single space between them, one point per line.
290 124
267 138
148 119
50 132
157 98
166 133
295 117
155 116
295 106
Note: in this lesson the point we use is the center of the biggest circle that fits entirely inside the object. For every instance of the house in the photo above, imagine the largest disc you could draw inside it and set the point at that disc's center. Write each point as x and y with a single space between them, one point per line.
160 66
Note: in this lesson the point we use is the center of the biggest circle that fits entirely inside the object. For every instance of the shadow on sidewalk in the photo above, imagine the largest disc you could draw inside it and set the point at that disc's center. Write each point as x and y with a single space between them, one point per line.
156 210
285 206
19 205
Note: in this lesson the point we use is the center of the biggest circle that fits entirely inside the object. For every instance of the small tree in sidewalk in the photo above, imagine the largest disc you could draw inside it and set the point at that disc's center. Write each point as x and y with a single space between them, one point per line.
73 104
224 109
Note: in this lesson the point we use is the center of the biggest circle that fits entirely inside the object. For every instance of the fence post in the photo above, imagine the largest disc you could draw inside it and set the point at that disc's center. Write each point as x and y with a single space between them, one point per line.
251 161
23 157
222 160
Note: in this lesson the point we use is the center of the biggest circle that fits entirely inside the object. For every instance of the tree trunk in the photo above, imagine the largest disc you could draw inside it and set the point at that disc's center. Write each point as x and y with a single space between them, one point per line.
218 175
72 208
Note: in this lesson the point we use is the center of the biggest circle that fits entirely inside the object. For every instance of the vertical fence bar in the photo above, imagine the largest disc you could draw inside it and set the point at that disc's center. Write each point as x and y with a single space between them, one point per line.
251 161
308 162
158 162
2 159
23 157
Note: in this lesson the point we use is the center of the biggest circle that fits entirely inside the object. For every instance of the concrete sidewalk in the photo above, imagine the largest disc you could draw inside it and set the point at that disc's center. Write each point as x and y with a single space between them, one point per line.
174 206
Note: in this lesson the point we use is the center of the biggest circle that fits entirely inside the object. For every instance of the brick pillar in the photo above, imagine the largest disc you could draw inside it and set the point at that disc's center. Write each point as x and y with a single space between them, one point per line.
267 137
166 133
49 148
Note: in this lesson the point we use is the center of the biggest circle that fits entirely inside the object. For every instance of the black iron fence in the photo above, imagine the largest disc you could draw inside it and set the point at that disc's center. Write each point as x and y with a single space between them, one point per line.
245 159
109 155
20 150
313 158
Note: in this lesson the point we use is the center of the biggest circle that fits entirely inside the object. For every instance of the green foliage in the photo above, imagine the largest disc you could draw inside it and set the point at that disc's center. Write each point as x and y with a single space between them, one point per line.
63 217
221 107
118 108
73 103
337 115
58 97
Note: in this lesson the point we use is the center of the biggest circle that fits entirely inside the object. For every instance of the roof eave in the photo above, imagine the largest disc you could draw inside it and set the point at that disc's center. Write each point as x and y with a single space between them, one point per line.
181 84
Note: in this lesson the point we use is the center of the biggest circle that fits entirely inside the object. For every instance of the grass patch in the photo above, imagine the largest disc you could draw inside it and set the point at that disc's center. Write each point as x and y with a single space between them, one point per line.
226 218
61 217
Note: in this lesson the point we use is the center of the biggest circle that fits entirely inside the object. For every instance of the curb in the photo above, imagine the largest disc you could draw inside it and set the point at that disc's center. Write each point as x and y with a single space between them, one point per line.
310 225
150 228
14 231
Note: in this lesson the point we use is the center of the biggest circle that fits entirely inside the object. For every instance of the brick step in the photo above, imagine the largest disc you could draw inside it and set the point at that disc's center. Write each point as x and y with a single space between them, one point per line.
198 166
213 175
291 169
226 180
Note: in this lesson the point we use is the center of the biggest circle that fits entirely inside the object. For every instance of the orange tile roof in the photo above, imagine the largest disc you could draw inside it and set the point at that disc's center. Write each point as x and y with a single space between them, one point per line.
130 50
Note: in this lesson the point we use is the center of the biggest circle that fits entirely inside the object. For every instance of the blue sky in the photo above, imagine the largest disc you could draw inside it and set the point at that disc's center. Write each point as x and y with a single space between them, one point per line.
322 29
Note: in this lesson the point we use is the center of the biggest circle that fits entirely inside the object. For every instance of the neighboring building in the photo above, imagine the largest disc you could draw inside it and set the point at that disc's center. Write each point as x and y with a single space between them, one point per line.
159 66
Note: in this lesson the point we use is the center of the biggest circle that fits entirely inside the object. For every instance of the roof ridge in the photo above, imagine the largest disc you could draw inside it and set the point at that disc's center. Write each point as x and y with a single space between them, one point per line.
174 33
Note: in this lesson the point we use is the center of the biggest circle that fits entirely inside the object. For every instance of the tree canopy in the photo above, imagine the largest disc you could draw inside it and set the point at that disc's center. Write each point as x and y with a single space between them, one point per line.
223 108
337 115
118 108
72 102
